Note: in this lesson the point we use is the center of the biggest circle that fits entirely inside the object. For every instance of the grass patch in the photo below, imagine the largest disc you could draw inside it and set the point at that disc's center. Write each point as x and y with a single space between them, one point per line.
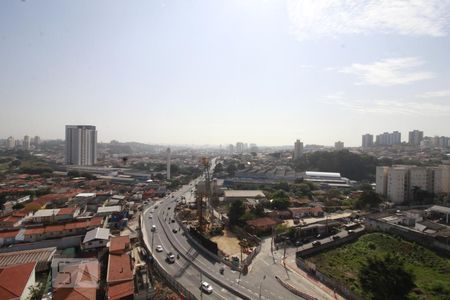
432 272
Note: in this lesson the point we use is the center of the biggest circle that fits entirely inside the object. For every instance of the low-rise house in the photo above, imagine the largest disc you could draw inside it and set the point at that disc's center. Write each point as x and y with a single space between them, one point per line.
16 280
41 256
96 238
8 237
304 212
75 279
108 210
232 195
48 216
119 244
119 278
12 220
261 225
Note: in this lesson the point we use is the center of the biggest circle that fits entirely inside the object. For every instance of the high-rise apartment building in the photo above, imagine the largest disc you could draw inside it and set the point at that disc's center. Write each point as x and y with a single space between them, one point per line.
10 143
339 145
239 147
168 163
298 149
398 183
387 139
36 141
26 143
81 145
367 140
231 148
415 137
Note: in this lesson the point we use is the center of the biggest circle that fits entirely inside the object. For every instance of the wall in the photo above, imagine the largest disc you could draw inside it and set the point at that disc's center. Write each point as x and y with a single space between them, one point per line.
61 243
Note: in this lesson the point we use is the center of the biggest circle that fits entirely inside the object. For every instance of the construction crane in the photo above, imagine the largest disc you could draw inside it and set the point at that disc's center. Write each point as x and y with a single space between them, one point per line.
204 194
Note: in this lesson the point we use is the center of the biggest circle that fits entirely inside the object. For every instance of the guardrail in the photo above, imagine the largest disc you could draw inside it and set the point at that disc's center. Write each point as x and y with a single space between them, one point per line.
295 290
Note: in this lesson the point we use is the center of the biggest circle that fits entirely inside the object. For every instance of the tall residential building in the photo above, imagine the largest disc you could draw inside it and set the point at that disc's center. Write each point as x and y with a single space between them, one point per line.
339 145
37 141
415 137
381 180
81 145
231 148
397 183
239 147
387 139
10 143
168 163
298 149
367 140
26 142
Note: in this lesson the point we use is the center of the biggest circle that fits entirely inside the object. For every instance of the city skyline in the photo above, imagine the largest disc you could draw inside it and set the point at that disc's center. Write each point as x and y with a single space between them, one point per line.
203 73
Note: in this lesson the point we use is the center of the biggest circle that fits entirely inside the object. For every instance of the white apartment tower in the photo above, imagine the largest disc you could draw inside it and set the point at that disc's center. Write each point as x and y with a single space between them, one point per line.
339 145
298 149
81 145
168 163
381 180
398 184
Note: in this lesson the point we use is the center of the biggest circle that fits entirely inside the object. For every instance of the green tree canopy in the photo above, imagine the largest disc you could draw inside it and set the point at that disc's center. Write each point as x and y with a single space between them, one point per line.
385 278
237 210
368 199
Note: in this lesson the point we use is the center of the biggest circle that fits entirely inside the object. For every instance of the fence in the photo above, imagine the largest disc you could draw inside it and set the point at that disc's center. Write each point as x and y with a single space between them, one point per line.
311 269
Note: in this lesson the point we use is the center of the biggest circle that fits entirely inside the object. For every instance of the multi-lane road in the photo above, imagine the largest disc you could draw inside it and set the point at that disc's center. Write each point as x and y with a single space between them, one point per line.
194 266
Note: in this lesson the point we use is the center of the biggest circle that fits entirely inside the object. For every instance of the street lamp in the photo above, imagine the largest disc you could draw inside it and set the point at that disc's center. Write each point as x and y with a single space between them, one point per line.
260 285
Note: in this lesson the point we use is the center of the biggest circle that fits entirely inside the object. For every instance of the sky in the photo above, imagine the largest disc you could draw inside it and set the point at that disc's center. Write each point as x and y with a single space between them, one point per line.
218 72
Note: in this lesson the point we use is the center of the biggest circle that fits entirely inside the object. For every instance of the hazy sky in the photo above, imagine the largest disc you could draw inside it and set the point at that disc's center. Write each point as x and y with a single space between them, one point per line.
217 72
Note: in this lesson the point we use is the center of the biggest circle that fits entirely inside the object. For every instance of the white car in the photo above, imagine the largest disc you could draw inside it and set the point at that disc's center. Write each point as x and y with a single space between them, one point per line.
206 287
159 248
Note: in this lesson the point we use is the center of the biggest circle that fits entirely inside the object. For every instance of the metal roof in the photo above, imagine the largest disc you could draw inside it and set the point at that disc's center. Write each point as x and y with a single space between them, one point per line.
97 234
322 174
42 256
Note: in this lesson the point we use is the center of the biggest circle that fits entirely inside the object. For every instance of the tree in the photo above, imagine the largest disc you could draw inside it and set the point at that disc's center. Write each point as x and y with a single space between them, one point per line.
237 210
258 210
36 291
231 169
218 168
18 206
368 199
385 278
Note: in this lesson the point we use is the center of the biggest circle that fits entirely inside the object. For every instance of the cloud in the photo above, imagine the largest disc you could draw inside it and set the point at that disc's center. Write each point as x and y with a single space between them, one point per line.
435 94
390 107
388 72
311 19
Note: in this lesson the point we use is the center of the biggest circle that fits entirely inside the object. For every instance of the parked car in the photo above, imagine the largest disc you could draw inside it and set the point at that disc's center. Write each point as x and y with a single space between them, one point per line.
174 230
159 248
336 237
153 228
206 287
351 231
316 243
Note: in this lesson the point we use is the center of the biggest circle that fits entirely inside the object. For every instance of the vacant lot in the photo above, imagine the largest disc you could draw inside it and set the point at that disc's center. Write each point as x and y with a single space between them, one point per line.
431 271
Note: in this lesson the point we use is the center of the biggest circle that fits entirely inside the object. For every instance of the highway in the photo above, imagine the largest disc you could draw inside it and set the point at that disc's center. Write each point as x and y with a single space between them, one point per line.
193 265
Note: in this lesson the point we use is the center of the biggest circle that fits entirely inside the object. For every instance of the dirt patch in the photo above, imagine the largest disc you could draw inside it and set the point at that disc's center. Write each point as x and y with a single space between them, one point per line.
228 243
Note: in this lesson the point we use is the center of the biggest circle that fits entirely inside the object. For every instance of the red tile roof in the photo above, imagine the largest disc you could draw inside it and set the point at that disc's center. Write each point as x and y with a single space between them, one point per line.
13 280
315 209
66 211
8 234
121 290
260 222
36 230
119 268
119 243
